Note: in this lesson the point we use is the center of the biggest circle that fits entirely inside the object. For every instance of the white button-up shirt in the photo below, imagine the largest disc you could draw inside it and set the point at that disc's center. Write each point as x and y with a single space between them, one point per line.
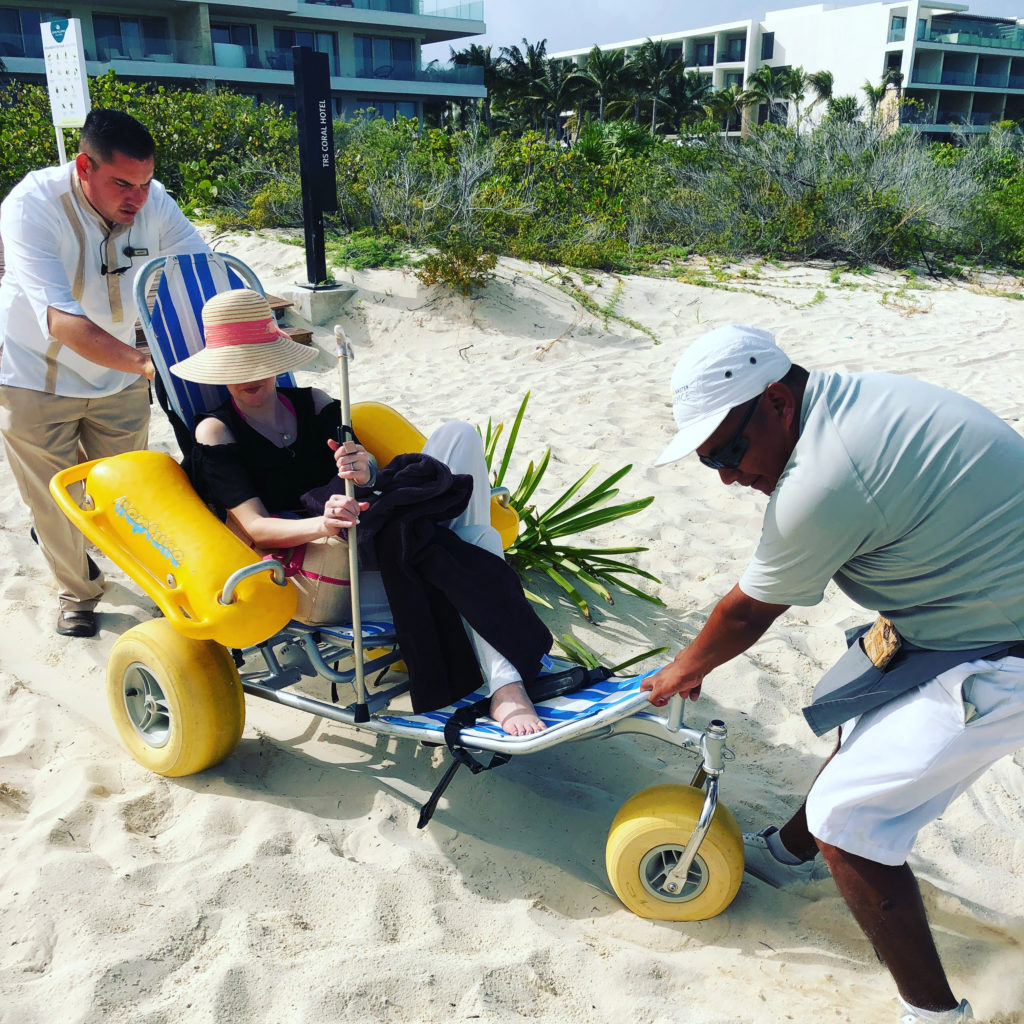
55 244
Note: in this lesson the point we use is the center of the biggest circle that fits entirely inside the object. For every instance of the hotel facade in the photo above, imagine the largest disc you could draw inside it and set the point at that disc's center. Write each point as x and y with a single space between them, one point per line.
963 70
373 46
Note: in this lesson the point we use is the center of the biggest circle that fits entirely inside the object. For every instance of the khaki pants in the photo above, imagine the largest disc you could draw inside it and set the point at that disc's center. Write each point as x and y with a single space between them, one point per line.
45 433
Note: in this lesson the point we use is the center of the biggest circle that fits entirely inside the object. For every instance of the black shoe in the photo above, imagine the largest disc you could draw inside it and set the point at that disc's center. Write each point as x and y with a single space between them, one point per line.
94 569
77 623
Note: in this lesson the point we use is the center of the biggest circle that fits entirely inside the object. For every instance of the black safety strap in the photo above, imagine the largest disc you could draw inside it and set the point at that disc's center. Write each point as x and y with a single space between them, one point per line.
545 687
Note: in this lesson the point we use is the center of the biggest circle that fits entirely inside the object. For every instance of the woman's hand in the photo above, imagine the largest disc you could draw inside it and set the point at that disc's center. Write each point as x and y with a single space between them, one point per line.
353 462
340 513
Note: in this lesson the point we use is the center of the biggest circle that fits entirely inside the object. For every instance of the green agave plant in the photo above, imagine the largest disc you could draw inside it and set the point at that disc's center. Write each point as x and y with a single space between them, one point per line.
580 653
541 546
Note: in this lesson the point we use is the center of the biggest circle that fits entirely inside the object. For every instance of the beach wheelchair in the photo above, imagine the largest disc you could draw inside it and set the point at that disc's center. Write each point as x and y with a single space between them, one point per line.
176 685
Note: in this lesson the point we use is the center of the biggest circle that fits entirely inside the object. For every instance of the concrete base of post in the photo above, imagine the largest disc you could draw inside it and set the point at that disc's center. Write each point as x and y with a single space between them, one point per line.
321 305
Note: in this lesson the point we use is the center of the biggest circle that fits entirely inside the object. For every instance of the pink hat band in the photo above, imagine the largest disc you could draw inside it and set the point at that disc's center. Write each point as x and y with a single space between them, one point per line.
243 342
246 332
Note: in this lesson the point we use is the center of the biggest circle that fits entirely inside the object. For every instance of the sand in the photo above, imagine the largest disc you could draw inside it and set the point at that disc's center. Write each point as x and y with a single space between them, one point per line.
290 882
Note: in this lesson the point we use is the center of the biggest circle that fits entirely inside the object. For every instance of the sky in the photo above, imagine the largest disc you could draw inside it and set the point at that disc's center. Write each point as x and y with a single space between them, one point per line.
572 24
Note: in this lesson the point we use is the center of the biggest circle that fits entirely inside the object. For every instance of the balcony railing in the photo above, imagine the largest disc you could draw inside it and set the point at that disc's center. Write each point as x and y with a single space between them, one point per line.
979 80
897 35
395 6
161 51
434 9
446 9
411 71
1007 39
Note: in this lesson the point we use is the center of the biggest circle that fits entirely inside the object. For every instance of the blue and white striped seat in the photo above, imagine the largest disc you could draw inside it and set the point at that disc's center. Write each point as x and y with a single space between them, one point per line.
616 696
173 325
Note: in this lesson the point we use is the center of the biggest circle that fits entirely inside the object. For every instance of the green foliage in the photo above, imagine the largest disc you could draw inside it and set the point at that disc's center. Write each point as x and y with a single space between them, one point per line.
460 264
618 198
541 548
205 141
362 250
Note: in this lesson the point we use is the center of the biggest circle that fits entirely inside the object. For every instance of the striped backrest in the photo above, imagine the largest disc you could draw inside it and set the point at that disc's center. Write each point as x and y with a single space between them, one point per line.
172 320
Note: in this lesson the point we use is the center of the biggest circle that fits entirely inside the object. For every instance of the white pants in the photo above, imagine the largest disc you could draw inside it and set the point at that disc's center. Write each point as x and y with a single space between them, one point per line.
459 447
901 765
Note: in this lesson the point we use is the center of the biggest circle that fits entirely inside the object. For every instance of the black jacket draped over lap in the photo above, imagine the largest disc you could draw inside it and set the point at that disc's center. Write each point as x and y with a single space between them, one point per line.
432 577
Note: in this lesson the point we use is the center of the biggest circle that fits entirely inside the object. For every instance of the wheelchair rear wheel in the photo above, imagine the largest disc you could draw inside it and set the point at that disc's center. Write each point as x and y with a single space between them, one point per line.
177 702
646 841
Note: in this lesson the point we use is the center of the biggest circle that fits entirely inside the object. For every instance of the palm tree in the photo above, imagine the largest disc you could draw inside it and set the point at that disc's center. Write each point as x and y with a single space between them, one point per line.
894 77
764 86
821 83
604 72
843 109
556 91
521 70
654 67
875 95
475 56
686 95
794 87
725 105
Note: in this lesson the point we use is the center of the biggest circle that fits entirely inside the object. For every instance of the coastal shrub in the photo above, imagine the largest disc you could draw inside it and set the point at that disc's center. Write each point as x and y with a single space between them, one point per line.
27 138
843 192
204 140
610 201
460 264
364 250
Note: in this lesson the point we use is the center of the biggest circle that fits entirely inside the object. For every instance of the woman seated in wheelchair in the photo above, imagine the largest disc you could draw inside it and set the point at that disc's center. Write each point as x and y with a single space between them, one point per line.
259 452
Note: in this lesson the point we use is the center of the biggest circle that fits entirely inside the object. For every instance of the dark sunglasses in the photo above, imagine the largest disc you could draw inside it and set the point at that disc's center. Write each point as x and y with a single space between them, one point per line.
730 454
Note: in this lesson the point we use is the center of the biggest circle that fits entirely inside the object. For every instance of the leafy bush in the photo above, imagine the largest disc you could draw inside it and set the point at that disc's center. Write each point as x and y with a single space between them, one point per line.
612 201
363 250
459 264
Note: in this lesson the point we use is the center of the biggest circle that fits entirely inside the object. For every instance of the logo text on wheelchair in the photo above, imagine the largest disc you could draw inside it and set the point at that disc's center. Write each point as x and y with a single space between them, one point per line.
153 531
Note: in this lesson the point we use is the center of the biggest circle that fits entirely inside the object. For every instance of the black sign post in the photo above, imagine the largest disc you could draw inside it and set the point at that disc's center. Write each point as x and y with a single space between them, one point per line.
316 155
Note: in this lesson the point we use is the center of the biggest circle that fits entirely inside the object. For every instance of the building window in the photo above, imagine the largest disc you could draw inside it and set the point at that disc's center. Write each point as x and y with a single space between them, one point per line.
387 109
130 38
768 46
235 45
240 35
320 42
20 34
383 57
736 48
705 54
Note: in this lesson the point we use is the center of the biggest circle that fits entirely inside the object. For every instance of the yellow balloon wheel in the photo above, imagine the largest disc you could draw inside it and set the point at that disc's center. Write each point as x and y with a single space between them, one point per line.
177 702
646 841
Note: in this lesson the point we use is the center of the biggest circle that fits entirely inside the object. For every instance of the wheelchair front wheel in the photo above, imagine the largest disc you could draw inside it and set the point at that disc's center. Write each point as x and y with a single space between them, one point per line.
646 841
177 703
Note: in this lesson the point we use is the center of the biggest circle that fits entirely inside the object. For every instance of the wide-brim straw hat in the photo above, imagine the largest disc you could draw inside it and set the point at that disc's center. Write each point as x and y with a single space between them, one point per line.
243 342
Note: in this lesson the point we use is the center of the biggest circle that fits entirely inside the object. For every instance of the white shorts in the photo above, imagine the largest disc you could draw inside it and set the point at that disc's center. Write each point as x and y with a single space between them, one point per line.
901 765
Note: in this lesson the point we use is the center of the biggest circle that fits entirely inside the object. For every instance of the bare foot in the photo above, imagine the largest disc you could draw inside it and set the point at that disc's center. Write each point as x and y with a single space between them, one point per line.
513 710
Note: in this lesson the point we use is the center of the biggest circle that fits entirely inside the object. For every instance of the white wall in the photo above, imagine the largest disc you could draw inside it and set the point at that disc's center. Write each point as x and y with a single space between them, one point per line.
850 42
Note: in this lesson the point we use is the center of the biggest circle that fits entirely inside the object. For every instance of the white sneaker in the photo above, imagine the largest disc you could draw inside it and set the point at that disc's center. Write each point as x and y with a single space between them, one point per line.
954 1016
761 862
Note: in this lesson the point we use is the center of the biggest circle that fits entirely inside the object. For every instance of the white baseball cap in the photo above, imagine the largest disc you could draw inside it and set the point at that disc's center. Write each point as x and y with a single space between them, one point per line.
719 371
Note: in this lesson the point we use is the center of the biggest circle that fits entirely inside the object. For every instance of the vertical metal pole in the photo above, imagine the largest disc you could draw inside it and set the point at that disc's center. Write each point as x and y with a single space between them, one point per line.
362 712
61 152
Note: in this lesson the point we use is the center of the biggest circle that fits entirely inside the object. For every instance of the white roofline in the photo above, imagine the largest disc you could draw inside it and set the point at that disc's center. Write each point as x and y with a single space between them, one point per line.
666 37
